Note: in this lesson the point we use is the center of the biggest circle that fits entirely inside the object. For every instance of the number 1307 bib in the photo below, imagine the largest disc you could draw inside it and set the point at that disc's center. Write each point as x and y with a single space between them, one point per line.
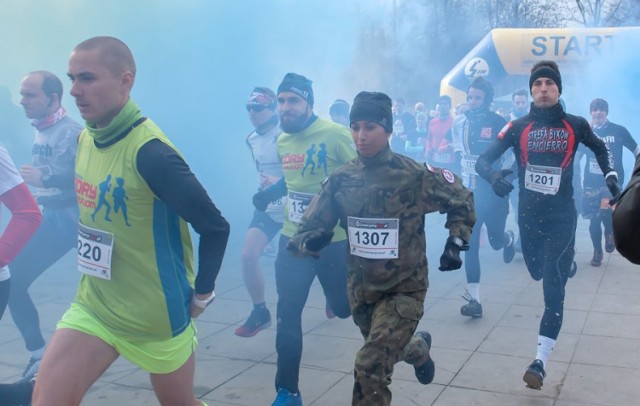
373 238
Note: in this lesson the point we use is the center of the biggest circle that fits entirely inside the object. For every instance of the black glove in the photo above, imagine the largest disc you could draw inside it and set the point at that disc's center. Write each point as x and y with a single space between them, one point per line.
614 188
500 185
450 258
317 241
261 200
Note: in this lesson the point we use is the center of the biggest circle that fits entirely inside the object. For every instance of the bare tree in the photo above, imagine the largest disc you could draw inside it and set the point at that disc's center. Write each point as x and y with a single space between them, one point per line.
603 13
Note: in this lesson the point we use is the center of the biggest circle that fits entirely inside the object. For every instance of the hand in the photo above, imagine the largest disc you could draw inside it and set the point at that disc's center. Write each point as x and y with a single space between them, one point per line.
614 188
31 175
450 258
500 185
316 241
261 200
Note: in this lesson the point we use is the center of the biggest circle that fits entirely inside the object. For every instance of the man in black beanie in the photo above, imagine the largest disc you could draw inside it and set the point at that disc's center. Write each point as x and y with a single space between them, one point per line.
545 143
380 200
309 149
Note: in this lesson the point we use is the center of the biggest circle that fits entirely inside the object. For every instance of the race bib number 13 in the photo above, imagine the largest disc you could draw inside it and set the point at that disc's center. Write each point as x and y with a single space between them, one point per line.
94 252
297 204
373 238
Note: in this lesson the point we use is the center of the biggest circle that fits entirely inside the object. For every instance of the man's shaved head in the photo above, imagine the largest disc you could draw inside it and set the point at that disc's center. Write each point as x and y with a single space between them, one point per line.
115 54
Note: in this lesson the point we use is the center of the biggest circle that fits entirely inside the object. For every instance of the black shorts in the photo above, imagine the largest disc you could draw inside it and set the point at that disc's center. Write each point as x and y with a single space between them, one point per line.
592 201
263 222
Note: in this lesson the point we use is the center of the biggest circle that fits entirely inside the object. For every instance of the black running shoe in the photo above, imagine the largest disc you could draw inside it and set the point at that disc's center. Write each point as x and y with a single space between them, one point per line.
597 258
534 375
427 370
472 309
609 246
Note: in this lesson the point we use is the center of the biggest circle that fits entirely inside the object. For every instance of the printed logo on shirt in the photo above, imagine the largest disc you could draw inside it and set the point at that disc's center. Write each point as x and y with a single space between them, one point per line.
548 140
107 198
504 130
314 159
485 132
42 150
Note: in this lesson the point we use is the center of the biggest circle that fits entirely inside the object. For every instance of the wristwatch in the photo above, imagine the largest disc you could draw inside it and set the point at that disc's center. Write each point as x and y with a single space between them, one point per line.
458 242
203 303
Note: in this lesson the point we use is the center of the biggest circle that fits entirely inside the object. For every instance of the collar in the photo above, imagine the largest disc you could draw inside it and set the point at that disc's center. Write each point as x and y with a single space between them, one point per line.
50 120
378 159
549 114
126 118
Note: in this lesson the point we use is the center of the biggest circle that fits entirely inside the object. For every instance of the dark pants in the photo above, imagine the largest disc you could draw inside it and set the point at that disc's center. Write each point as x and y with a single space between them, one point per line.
492 211
18 393
57 234
293 281
548 248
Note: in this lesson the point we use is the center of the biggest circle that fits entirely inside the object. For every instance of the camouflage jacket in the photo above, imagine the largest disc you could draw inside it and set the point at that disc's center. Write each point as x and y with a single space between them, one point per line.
389 186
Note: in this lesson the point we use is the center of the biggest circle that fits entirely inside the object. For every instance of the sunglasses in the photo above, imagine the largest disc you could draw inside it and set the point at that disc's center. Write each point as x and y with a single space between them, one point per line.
256 107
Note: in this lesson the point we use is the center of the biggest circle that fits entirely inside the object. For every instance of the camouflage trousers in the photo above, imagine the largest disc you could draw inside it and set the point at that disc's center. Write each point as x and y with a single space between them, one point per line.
388 327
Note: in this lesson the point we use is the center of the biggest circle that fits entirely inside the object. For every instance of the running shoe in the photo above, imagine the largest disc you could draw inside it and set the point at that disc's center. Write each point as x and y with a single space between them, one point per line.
597 258
609 246
32 369
286 398
509 250
472 309
258 320
427 370
534 375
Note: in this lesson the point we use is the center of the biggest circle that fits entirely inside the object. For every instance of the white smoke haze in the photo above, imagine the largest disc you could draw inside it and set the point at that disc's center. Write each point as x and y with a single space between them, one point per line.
199 59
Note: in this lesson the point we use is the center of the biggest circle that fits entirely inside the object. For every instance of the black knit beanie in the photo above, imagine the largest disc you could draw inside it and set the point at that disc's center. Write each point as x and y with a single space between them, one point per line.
298 84
374 107
546 69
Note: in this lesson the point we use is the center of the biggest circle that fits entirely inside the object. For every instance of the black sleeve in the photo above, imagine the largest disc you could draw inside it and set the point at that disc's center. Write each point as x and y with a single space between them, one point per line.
595 144
495 151
172 181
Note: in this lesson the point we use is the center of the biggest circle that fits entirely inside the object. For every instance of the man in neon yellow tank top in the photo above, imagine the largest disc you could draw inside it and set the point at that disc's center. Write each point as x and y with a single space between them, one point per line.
138 292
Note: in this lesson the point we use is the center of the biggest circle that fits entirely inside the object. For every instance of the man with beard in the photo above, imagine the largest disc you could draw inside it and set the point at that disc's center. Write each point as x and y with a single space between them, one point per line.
302 129
473 134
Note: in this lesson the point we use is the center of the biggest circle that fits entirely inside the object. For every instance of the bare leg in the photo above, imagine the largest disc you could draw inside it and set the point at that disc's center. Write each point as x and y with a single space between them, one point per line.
255 241
72 363
176 388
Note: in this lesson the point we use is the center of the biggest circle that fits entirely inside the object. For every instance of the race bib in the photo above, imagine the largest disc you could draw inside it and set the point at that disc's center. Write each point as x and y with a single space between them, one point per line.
594 167
277 206
297 204
373 238
542 179
443 157
94 252
468 165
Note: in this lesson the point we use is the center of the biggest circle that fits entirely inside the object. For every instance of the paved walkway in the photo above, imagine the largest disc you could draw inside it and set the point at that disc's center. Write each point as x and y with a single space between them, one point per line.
479 362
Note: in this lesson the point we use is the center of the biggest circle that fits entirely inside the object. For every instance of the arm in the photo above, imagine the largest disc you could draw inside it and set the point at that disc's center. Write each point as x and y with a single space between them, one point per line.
171 179
320 218
25 220
443 191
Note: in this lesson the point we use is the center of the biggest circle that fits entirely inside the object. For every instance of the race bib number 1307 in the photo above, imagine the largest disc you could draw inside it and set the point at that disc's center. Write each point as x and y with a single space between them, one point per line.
373 238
